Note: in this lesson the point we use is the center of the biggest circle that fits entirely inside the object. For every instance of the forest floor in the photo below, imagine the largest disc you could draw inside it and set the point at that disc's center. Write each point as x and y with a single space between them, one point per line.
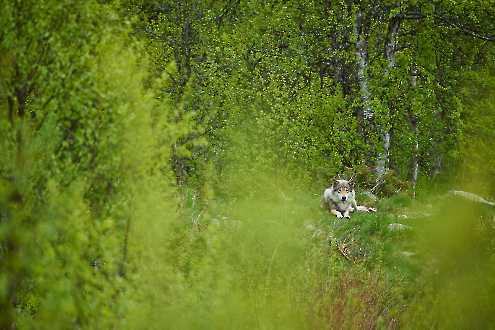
280 261
413 260
378 258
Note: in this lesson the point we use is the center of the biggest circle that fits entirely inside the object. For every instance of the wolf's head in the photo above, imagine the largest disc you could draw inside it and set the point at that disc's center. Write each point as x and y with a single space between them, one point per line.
343 188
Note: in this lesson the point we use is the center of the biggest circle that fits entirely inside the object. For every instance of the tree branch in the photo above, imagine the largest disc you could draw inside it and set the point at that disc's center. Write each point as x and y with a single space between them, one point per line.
448 21
465 30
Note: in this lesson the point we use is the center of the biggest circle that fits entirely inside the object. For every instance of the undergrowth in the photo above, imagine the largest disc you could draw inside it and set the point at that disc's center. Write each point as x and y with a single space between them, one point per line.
274 259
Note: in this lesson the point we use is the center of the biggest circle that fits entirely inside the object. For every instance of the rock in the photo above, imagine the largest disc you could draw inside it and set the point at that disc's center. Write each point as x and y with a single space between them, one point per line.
398 227
415 215
310 227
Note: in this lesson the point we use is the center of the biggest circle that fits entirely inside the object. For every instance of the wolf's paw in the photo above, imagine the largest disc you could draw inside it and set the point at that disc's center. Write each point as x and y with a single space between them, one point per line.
339 215
371 209
347 216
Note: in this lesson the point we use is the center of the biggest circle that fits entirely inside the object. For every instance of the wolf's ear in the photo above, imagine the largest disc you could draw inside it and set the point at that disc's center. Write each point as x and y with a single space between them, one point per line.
335 182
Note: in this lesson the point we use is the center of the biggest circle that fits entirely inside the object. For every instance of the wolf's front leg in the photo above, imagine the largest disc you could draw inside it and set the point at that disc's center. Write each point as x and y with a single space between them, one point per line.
346 213
337 213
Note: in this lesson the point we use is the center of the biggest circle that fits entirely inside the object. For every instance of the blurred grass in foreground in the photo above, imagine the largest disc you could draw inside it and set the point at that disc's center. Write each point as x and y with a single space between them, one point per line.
262 254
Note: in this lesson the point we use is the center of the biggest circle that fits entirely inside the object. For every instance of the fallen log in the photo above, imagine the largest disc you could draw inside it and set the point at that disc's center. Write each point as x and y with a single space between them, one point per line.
471 197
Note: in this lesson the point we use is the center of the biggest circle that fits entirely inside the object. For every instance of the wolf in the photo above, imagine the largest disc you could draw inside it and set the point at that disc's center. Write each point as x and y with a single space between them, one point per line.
340 199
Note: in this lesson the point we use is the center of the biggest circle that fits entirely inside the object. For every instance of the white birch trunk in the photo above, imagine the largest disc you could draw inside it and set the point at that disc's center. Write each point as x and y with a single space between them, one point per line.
362 63
390 46
414 124
382 162
415 163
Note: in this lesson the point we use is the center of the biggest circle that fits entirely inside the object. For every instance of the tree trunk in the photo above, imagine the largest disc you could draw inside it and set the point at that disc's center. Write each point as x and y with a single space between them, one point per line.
390 47
382 163
437 166
362 64
391 44
415 163
414 125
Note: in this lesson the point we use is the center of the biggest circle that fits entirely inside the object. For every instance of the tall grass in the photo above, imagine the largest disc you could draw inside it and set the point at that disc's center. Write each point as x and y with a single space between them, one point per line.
262 254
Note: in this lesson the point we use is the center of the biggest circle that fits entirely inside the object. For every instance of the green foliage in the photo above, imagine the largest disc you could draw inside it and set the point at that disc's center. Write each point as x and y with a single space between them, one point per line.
81 137
293 67
478 119
162 163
